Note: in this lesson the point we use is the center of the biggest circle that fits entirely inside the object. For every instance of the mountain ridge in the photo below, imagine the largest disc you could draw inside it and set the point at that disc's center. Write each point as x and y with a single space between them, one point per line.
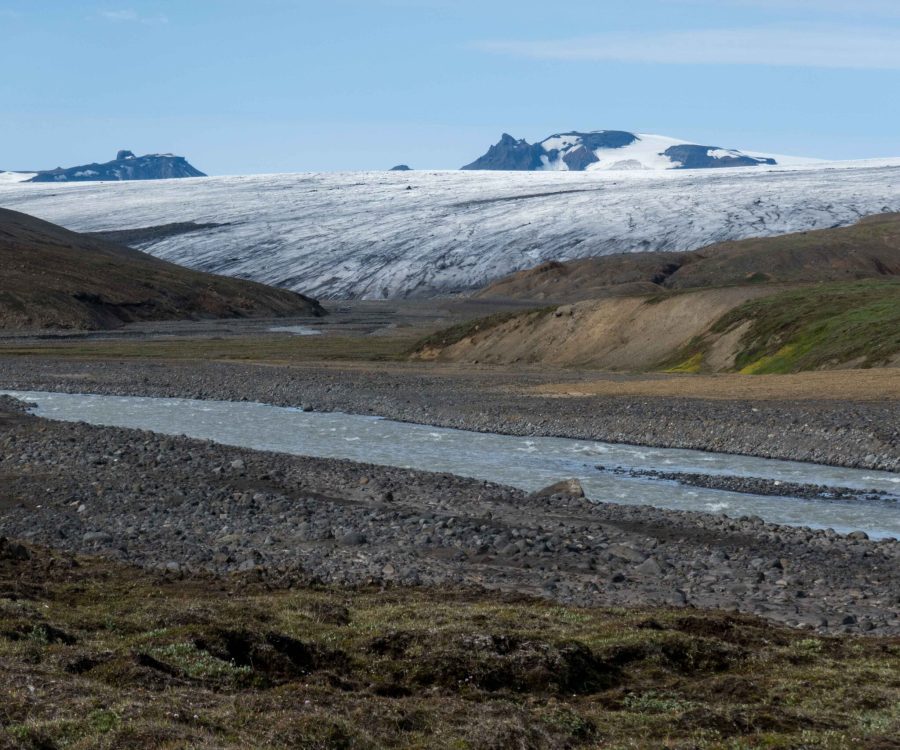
611 150
126 166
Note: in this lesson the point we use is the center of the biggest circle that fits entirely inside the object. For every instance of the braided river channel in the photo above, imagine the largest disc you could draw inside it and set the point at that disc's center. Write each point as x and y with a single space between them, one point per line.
525 462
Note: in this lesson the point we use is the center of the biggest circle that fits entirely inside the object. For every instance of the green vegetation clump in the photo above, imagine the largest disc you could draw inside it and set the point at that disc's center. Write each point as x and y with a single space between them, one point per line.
98 655
690 365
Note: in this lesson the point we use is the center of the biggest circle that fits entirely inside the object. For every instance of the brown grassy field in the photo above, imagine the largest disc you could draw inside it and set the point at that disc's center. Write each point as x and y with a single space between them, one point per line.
751 329
268 349
96 655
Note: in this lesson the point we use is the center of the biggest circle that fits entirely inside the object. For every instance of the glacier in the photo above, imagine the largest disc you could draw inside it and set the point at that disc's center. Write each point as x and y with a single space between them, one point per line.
14 177
390 234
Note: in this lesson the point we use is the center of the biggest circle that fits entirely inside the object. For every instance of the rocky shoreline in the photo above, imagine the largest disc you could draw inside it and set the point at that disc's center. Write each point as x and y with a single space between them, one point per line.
853 434
180 506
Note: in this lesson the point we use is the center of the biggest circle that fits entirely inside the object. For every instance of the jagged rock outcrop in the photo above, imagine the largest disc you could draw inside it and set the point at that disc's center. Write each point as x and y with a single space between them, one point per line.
510 154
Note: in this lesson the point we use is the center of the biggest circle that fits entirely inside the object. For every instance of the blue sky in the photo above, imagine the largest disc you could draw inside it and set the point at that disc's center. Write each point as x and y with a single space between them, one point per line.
297 85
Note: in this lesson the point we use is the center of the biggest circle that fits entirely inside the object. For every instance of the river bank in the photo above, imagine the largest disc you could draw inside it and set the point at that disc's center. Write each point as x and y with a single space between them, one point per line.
856 434
526 462
183 506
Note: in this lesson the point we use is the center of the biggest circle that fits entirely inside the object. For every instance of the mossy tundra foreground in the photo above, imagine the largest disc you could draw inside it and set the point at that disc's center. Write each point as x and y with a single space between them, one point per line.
94 654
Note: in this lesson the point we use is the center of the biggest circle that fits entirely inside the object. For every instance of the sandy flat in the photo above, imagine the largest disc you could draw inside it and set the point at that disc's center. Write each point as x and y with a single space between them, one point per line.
856 385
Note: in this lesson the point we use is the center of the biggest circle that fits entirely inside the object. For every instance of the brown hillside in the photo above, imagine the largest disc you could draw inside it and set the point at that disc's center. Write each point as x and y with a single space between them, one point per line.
758 328
625 333
54 278
869 249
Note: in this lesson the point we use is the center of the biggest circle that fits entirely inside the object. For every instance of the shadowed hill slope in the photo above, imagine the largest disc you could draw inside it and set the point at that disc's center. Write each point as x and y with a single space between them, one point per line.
54 278
869 249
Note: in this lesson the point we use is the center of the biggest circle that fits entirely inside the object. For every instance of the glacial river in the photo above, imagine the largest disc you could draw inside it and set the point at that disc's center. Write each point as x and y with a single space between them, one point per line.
525 462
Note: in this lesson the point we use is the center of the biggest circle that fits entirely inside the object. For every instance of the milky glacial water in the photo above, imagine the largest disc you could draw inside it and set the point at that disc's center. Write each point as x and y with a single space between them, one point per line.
525 462
296 330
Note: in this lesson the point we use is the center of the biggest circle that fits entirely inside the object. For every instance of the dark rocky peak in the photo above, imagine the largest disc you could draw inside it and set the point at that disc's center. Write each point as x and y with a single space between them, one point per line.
577 151
519 155
124 155
510 154
401 168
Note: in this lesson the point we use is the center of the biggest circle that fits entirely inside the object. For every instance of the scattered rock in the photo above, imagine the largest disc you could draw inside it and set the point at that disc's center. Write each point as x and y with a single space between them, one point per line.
649 567
567 487
627 553
93 537
353 539
12 551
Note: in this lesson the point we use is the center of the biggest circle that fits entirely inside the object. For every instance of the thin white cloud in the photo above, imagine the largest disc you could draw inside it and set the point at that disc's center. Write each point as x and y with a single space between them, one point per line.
816 47
854 7
119 15
128 15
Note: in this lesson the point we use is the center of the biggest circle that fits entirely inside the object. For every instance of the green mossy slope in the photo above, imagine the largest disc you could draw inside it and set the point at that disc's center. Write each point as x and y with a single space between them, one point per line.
810 328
